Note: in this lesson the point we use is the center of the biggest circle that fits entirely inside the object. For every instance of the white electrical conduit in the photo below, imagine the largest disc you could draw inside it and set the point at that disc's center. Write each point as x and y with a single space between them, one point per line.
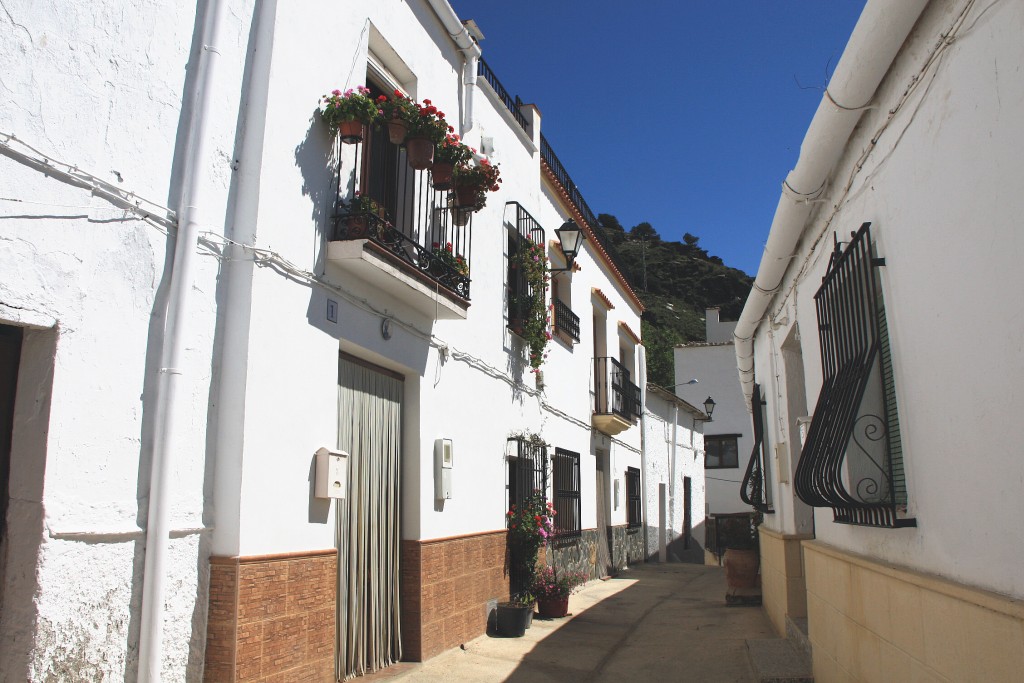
880 33
470 56
167 442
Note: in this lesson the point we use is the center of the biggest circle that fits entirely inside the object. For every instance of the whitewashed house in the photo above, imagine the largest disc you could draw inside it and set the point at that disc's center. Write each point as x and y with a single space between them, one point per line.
882 342
186 320
673 477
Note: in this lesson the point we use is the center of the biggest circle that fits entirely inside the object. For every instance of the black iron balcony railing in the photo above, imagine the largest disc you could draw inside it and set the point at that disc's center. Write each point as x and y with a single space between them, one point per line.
399 211
613 390
484 71
520 293
566 321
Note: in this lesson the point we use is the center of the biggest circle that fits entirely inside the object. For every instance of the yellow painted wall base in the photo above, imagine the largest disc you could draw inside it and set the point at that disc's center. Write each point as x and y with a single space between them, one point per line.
783 592
873 622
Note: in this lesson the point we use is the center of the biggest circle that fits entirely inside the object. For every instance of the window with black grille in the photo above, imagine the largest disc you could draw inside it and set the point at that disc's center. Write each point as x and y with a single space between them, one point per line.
721 451
852 458
527 468
634 504
566 486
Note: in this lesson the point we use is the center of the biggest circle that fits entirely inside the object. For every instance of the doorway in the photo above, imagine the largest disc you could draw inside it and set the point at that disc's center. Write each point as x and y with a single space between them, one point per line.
10 358
368 518
604 513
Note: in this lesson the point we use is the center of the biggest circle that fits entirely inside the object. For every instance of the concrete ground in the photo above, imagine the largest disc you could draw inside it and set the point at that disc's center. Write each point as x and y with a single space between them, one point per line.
656 622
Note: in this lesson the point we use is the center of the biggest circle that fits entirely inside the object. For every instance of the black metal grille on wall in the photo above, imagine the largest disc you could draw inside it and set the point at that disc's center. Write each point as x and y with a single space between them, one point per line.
566 321
520 293
527 469
755 490
634 509
408 219
851 460
566 482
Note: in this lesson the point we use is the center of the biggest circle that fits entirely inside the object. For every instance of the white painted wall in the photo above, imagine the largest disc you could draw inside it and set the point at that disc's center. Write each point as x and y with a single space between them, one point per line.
669 466
941 190
714 365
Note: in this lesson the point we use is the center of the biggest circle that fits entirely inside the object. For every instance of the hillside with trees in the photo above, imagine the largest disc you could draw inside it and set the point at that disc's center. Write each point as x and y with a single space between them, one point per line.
676 281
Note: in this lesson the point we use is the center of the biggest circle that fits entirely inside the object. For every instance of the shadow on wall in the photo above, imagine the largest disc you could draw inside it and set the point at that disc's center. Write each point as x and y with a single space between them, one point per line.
677 548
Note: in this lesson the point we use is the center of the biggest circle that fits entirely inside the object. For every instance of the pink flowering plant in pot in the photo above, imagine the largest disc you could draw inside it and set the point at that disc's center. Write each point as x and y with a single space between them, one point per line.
351 105
550 583
530 525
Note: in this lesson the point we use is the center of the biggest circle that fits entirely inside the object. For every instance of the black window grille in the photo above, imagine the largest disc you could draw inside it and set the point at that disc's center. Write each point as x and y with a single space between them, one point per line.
756 489
634 504
566 321
566 485
527 469
852 458
520 294
613 390
721 451
408 220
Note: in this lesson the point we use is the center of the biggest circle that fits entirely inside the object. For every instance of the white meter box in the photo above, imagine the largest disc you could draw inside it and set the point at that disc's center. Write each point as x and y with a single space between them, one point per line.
331 474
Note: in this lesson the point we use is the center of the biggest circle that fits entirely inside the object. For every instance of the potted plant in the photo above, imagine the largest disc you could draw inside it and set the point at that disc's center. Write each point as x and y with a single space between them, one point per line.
348 112
358 212
395 111
427 128
473 181
552 589
741 559
515 616
446 259
528 315
448 154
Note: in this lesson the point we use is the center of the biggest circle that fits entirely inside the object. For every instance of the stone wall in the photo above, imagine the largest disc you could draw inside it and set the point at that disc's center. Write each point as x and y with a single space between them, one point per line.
580 553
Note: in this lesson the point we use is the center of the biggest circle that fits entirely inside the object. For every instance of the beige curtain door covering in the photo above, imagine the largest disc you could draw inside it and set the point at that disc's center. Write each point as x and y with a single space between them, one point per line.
368 535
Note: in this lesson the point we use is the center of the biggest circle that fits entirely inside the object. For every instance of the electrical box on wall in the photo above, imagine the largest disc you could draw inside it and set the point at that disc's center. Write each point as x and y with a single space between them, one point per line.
616 496
331 474
782 462
443 462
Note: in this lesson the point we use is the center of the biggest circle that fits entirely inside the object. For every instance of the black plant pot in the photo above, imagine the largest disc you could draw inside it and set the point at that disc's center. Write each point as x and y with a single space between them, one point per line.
513 620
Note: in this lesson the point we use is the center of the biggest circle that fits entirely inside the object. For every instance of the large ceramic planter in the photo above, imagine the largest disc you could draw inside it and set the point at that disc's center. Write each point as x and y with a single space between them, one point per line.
419 152
740 568
351 132
553 607
513 620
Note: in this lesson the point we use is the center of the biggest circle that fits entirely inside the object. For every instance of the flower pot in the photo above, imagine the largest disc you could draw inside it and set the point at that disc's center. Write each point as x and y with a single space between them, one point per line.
740 568
357 227
397 130
419 152
351 132
513 620
553 607
465 195
441 173
460 217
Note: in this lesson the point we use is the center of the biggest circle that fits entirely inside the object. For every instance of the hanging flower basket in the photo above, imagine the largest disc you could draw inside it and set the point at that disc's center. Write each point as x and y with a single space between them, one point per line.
460 216
397 130
348 112
419 152
441 173
466 196
351 132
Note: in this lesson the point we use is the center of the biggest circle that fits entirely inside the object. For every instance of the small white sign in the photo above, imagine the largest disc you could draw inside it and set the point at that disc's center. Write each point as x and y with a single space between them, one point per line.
332 311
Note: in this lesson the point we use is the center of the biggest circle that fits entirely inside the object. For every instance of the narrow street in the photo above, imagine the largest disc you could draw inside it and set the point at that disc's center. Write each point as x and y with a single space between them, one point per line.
666 622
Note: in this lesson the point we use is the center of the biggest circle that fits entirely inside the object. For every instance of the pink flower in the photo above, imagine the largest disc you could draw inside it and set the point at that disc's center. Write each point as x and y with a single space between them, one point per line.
336 92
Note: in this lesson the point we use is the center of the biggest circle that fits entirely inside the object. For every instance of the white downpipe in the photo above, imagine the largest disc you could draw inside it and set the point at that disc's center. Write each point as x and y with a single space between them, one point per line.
238 267
642 368
167 441
470 56
880 33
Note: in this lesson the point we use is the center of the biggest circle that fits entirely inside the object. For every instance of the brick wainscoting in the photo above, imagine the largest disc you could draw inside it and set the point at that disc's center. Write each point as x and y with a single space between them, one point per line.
446 584
271 618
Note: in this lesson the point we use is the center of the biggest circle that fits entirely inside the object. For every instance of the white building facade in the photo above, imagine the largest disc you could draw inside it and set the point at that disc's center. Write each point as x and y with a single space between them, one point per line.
273 331
895 478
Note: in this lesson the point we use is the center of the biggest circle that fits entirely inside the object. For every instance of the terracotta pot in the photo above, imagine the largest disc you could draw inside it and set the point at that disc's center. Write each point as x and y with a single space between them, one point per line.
460 217
513 620
357 227
740 568
397 130
465 195
553 607
419 152
351 132
441 173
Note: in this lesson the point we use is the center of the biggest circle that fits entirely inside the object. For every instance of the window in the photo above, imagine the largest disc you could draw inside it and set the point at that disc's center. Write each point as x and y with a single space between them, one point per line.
721 451
527 468
566 485
634 506
522 297
852 458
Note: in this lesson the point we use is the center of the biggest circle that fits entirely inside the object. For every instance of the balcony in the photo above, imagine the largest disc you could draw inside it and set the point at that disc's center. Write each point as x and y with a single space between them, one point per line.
400 237
616 398
567 323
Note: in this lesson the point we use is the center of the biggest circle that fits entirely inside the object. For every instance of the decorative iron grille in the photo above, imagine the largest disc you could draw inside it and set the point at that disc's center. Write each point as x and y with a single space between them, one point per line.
566 321
755 490
566 486
634 509
527 469
851 460
520 293
409 221
613 390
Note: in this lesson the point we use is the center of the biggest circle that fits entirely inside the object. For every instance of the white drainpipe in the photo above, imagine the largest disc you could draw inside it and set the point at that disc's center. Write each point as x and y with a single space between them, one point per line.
880 33
167 442
470 56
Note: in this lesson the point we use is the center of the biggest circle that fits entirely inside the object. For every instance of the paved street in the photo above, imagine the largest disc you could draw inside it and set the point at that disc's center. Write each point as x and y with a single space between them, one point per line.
654 623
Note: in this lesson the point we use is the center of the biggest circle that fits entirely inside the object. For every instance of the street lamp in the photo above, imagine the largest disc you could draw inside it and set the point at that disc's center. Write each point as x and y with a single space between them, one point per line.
570 239
709 407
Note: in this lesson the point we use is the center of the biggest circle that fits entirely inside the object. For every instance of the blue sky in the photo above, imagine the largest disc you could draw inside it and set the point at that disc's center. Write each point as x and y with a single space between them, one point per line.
684 114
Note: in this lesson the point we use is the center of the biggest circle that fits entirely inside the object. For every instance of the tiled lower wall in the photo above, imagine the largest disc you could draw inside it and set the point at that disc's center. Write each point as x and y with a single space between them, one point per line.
271 618
783 591
875 622
446 585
